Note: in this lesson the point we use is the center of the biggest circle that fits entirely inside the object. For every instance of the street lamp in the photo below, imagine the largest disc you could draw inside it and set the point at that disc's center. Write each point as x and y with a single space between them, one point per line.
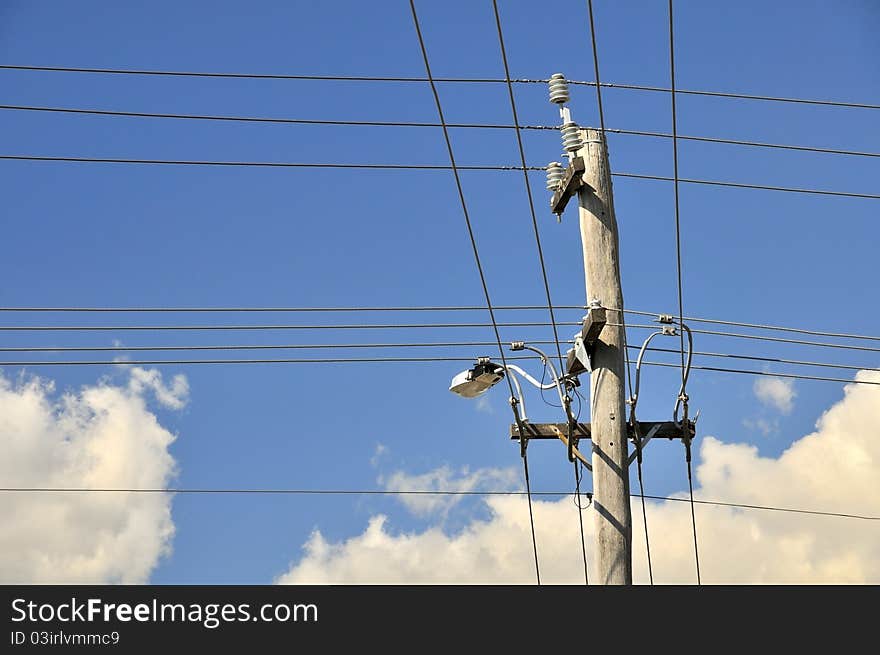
485 374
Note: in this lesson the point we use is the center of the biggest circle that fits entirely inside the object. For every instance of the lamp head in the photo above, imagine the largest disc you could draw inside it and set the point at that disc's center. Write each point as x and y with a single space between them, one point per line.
475 381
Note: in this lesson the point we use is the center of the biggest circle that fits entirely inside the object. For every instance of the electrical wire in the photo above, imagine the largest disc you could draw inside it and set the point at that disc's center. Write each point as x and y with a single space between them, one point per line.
637 439
793 376
595 48
693 513
328 360
252 76
479 267
447 308
422 492
644 511
362 123
757 358
738 142
522 155
740 185
578 472
310 346
270 120
762 337
458 80
675 187
441 344
367 326
577 490
436 308
757 326
415 167
262 164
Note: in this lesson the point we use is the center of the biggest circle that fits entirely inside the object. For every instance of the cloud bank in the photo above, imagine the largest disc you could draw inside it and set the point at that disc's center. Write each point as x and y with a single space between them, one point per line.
834 468
100 436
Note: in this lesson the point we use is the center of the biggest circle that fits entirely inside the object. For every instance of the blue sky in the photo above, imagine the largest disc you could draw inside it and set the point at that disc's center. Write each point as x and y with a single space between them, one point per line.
127 235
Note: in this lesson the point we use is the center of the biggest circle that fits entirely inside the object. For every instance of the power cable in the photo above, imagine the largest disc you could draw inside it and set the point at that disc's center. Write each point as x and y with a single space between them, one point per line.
522 155
740 185
363 123
414 167
270 120
793 376
763 337
604 144
738 142
437 308
368 326
457 80
420 492
479 269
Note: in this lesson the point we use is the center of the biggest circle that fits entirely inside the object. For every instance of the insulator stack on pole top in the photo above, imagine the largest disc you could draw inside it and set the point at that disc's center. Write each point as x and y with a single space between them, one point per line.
571 138
559 95
559 89
555 173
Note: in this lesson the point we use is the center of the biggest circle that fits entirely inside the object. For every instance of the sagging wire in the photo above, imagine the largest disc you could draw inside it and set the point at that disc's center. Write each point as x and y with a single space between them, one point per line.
578 473
515 403
685 425
564 387
577 490
687 437
637 440
681 403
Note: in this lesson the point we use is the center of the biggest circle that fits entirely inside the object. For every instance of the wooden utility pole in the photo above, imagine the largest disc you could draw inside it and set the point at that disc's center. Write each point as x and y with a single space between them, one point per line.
608 377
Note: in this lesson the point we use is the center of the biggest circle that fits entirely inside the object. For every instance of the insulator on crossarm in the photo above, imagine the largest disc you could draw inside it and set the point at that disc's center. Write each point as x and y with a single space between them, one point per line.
555 173
558 89
571 137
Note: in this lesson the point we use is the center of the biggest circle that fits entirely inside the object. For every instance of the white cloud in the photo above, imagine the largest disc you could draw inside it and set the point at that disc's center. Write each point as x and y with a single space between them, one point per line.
835 468
100 436
445 479
378 454
173 396
483 405
777 393
762 425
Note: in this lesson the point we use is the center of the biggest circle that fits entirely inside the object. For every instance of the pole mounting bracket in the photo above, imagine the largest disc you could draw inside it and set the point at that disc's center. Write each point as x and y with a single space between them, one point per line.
571 181
580 358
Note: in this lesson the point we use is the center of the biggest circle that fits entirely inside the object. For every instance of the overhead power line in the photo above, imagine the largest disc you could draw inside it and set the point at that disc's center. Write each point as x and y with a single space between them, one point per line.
793 376
315 346
262 164
426 167
363 123
738 142
756 358
270 120
763 337
759 326
415 79
369 346
742 185
181 362
417 492
522 155
470 230
359 326
435 308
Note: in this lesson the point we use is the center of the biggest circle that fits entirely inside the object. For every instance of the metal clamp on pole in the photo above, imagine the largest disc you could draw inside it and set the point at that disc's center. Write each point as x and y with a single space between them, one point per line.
579 359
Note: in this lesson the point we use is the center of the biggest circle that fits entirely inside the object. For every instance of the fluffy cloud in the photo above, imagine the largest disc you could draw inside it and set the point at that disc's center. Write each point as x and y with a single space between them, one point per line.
777 393
98 436
445 479
835 468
